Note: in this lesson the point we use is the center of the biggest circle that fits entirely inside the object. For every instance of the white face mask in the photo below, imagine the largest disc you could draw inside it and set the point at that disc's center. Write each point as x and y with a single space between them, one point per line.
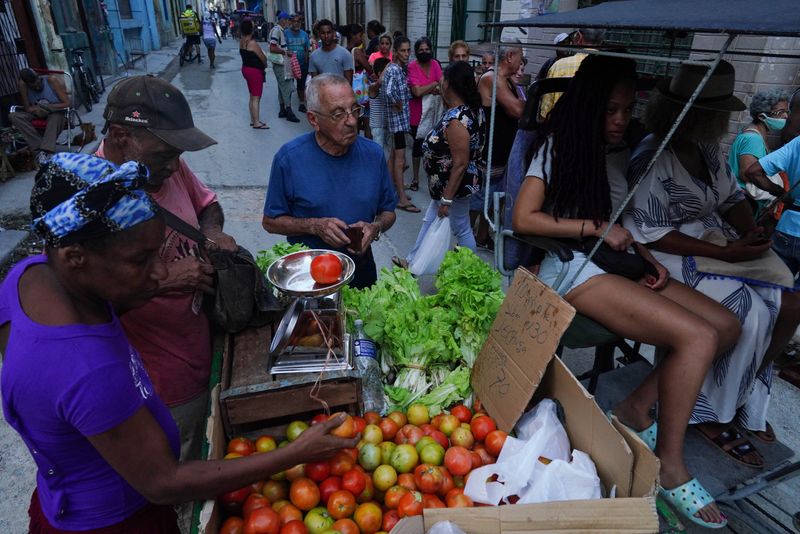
772 123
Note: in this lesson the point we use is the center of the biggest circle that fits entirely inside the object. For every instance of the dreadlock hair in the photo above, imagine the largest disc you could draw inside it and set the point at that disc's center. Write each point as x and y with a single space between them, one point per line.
574 133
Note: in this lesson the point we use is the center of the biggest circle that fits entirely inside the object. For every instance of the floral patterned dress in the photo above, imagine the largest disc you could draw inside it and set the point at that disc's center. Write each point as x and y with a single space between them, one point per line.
437 157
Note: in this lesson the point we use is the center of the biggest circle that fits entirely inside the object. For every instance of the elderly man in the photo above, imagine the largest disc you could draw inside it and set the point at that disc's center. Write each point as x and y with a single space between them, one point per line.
148 120
342 191
43 97
280 55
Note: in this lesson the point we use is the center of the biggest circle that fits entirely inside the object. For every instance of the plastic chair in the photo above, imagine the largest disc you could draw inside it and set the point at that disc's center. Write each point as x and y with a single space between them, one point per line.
73 120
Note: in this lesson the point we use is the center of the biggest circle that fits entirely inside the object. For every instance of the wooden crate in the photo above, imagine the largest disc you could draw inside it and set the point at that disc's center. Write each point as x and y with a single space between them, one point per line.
253 400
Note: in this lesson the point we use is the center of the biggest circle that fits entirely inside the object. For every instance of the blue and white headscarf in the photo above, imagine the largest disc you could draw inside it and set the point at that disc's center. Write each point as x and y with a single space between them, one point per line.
78 197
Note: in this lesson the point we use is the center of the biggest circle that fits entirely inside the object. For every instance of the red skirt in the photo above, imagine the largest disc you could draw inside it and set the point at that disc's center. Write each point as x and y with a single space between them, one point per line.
151 519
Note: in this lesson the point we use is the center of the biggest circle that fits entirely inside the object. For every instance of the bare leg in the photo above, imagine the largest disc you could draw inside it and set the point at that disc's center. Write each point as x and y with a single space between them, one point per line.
254 105
692 341
212 54
415 170
398 160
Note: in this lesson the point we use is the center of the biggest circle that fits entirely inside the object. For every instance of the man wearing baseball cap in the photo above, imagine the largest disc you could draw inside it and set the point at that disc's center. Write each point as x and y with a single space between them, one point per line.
149 121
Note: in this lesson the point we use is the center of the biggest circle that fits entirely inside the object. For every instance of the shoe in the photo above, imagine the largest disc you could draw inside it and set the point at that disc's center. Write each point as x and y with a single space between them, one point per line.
291 117
212 66
649 435
689 499
282 113
302 108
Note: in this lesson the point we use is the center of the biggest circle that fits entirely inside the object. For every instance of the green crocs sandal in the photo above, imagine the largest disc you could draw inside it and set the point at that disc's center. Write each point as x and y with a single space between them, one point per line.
688 499
648 435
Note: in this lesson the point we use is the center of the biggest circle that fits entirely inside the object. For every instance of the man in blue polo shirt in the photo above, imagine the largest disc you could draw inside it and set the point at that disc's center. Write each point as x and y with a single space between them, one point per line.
329 183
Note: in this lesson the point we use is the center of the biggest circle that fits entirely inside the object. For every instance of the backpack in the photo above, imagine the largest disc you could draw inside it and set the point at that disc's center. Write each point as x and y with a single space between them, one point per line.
189 23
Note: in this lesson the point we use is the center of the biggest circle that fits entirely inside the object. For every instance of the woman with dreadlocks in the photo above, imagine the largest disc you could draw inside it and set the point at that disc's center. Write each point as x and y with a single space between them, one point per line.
575 182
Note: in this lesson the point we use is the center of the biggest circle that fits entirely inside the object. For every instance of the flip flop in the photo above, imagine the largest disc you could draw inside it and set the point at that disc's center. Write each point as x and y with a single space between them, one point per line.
413 186
649 435
735 446
690 498
411 208
261 126
767 436
400 262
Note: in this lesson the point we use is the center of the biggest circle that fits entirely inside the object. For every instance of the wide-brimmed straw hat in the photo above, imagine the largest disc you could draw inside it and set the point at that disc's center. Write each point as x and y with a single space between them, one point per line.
717 95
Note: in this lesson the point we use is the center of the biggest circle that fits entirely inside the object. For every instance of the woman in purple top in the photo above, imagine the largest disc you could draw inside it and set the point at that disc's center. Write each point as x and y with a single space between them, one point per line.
72 386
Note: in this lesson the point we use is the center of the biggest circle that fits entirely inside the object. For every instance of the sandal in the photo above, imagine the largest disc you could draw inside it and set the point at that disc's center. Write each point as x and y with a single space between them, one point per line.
649 435
400 262
767 436
261 126
732 443
690 498
411 208
413 186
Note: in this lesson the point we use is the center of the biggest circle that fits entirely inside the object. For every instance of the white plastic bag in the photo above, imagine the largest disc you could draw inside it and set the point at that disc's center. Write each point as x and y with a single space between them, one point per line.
432 249
519 471
445 527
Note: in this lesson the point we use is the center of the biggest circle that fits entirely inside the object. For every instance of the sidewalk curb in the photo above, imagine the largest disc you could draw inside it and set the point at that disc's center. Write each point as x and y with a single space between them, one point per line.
10 240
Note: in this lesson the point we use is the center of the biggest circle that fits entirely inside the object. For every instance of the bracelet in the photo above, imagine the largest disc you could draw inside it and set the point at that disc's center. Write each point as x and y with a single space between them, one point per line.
380 230
583 224
446 201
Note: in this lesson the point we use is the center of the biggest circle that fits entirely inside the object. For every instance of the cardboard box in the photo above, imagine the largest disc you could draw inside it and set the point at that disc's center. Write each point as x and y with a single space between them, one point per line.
516 369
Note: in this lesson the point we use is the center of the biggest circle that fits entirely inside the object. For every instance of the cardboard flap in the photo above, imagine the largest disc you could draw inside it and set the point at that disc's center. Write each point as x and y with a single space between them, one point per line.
601 515
646 466
523 339
482 520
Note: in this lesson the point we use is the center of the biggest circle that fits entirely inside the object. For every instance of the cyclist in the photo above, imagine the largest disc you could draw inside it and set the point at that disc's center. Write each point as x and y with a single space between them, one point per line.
210 37
190 26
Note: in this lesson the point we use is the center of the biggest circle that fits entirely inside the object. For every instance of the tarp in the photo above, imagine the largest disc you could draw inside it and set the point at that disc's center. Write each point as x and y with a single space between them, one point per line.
767 17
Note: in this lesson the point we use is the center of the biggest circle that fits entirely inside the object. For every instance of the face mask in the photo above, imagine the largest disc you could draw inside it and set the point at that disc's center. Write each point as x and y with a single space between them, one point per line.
424 57
771 123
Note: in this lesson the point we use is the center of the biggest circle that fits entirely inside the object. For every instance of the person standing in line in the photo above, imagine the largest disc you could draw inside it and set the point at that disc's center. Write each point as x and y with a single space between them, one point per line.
458 51
562 39
361 74
254 65
210 37
279 56
384 48
299 43
424 74
397 98
374 31
330 58
377 105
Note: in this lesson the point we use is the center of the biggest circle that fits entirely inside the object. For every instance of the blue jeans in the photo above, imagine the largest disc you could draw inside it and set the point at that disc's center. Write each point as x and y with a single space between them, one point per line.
459 224
788 248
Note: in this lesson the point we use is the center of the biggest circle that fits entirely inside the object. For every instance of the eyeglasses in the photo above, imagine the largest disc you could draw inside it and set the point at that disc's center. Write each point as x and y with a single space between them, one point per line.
340 115
779 113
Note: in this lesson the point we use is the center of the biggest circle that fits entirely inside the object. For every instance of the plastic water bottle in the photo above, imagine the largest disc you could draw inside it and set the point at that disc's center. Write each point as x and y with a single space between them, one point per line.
366 356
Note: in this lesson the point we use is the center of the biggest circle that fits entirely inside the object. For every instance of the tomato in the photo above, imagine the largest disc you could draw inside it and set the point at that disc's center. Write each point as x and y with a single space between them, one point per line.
341 463
393 495
495 441
432 501
345 526
318 520
274 491
428 478
390 519
418 414
447 482
326 269
253 502
347 429
262 521
463 413
353 452
295 526
232 525
388 428
387 448
455 498
328 486
458 460
481 426
477 460
432 454
462 437
409 434
384 477
359 423
404 458
341 504
256 487
448 423
232 501
440 438
486 458
372 434
410 504
319 418
399 418
232 455
372 418
354 481
437 420
242 446
304 494
369 491
369 457
294 429
368 517
298 471
278 505
407 481
318 471
424 440
289 512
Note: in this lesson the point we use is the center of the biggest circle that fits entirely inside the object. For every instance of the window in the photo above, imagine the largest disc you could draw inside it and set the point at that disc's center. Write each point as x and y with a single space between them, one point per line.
355 12
125 11
468 14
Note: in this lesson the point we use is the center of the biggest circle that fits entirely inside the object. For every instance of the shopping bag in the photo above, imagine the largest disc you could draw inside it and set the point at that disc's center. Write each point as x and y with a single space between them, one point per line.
361 87
295 69
432 249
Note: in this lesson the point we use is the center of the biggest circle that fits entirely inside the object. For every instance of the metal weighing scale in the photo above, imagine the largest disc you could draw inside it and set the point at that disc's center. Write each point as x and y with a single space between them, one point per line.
299 345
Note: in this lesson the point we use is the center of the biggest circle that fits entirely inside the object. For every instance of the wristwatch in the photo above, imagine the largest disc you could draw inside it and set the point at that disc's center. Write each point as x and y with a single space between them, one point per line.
446 201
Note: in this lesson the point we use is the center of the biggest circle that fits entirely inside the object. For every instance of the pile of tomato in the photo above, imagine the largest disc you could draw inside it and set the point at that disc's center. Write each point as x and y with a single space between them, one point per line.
405 462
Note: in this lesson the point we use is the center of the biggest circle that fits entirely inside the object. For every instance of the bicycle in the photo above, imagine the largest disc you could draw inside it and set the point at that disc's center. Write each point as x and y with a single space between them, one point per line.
187 54
88 86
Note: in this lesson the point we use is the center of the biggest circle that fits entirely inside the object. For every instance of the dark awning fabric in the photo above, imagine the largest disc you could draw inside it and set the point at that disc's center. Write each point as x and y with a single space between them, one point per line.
767 17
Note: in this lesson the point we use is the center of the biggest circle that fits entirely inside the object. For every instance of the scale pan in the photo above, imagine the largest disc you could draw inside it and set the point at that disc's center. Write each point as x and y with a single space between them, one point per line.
291 274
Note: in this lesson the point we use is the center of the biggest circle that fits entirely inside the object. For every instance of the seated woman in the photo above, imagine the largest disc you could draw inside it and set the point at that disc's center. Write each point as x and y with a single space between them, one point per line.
73 387
769 110
687 193
575 182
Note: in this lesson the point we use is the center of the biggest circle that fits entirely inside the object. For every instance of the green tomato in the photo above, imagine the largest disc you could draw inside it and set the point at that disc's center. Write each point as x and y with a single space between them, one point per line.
424 440
294 430
432 454
387 448
404 458
318 520
369 456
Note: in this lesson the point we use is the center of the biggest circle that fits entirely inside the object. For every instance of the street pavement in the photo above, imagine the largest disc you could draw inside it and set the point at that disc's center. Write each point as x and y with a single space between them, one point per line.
238 168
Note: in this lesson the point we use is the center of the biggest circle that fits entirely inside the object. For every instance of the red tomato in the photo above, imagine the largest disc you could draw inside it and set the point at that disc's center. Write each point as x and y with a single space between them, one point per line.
372 418
341 463
447 482
399 418
233 500
232 525
495 441
428 478
407 481
390 519
347 429
256 487
294 527
341 504
440 438
486 458
345 526
354 481
427 429
289 512
458 460
262 521
463 413
304 494
319 418
326 269
328 486
242 446
410 504
359 423
369 491
477 459
368 517
393 495
254 502
481 426
318 471
432 501
389 428
353 452
456 499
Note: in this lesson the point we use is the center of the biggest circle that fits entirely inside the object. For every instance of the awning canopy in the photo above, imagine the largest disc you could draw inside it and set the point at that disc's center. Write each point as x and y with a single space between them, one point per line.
769 17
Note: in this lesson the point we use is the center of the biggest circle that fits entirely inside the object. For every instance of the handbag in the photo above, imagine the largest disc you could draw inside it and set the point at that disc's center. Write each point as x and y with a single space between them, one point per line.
361 87
294 67
631 265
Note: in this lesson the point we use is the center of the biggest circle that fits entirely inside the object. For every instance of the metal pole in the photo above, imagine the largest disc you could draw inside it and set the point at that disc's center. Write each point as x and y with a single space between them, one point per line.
488 178
661 147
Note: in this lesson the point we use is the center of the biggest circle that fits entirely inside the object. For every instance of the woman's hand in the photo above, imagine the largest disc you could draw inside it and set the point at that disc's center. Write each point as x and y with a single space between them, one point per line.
751 246
618 238
317 443
444 211
648 280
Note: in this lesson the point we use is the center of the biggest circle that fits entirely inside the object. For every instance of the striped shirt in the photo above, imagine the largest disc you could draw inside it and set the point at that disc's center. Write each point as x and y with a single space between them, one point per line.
377 109
397 91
